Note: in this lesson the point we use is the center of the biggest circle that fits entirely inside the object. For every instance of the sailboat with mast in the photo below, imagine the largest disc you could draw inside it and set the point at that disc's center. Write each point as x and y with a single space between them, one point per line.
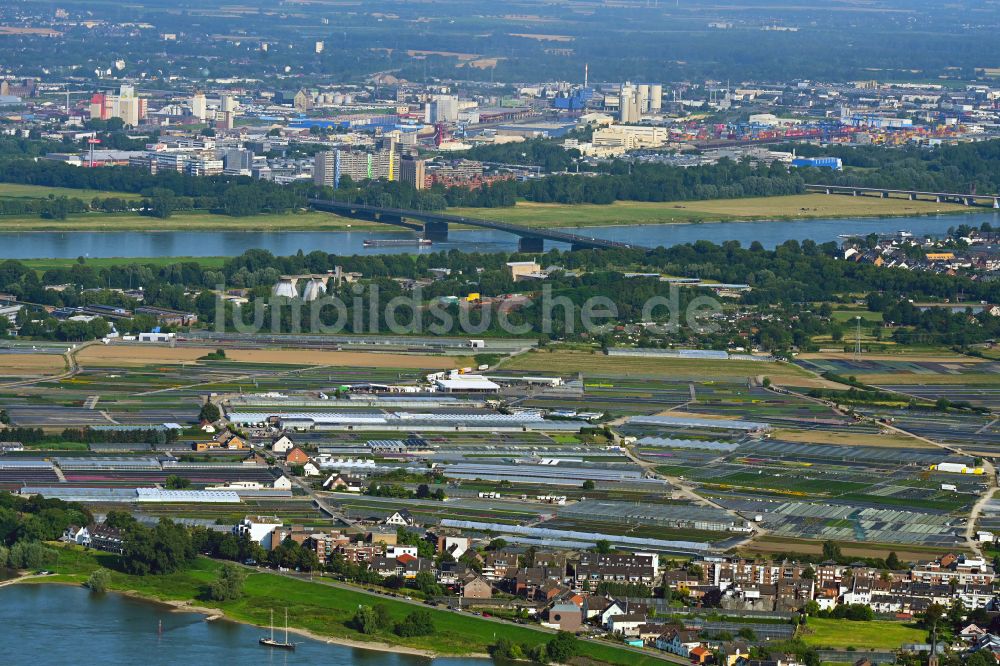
270 641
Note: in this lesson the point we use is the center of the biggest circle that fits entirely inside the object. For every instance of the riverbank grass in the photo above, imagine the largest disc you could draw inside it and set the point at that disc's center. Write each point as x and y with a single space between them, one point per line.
796 206
321 609
192 221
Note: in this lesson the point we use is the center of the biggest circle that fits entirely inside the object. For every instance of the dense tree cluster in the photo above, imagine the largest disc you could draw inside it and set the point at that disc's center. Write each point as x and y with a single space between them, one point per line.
375 619
660 182
36 518
962 168
560 649
163 193
162 549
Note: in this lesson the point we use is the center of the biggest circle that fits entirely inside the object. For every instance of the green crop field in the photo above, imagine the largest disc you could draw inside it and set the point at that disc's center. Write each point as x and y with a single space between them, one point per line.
322 609
874 635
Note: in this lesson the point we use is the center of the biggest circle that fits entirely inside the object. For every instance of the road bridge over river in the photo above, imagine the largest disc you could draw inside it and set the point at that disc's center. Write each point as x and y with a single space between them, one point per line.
435 226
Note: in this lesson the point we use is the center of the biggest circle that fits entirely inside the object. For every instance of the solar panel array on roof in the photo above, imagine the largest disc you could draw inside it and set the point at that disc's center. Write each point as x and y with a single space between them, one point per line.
838 452
24 463
549 474
687 444
187 496
663 514
73 494
107 463
586 537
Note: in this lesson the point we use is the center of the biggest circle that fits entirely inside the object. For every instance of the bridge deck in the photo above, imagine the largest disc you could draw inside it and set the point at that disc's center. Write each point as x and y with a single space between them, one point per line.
516 229
889 190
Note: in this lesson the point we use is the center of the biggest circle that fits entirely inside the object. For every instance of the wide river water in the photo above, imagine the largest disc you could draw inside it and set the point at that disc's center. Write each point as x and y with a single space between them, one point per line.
55 624
57 244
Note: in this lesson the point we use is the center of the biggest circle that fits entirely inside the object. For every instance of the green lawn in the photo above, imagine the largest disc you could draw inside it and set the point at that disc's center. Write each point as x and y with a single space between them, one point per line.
109 262
875 635
321 609
849 315
18 191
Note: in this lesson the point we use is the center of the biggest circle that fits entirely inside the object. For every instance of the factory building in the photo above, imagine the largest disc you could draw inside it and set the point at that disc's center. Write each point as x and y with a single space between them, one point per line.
125 105
630 137
635 101
442 109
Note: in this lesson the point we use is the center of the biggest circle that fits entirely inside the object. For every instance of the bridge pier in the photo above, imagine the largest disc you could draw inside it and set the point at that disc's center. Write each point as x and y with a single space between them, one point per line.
437 231
967 201
913 197
855 193
885 195
937 199
532 244
828 191
996 203
388 219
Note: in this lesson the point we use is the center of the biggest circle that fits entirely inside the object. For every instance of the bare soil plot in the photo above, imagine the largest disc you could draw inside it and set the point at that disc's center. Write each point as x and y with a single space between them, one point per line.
770 544
20 364
848 438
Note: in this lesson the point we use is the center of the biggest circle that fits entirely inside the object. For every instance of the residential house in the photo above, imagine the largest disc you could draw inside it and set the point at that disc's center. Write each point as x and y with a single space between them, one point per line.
497 565
395 551
259 529
401 518
341 483
529 581
325 544
230 440
76 534
731 654
962 569
595 568
454 545
281 445
475 586
611 610
627 624
296 456
678 641
360 552
107 538
700 655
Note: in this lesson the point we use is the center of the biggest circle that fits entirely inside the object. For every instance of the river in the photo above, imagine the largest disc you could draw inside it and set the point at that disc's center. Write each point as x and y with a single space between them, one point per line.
57 244
56 624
